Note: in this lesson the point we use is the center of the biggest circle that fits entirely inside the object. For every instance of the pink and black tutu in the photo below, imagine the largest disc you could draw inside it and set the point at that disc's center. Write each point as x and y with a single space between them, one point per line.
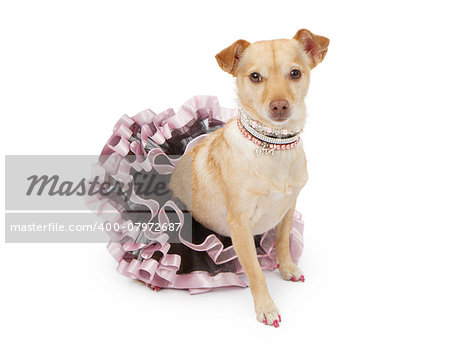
153 237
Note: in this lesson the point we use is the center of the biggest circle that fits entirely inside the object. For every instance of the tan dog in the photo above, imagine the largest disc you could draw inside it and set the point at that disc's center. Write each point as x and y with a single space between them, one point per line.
235 193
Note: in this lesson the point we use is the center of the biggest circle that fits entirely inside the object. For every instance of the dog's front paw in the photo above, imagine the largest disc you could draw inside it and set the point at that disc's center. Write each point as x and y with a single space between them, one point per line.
267 312
291 272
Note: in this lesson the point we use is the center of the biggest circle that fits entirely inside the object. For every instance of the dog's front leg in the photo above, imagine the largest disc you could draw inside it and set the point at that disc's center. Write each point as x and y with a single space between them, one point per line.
244 245
288 269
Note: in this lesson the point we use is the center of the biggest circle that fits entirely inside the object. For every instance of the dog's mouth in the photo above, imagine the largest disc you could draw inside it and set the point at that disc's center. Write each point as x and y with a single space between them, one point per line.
279 117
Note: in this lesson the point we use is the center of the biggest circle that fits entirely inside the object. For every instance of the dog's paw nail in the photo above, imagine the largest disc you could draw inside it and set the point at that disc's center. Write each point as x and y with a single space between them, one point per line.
154 288
279 317
302 278
265 321
293 278
275 323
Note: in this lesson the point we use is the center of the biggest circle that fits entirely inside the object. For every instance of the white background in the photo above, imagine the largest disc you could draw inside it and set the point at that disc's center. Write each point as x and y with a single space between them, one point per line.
376 208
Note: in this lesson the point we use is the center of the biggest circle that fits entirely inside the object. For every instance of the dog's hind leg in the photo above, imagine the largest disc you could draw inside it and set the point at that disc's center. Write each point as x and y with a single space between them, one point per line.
244 245
288 269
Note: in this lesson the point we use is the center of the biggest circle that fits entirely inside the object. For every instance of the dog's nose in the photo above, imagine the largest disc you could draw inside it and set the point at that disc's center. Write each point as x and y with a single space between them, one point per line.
279 108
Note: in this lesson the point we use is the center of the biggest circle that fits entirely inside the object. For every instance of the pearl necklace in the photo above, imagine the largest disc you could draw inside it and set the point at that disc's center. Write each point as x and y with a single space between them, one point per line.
268 139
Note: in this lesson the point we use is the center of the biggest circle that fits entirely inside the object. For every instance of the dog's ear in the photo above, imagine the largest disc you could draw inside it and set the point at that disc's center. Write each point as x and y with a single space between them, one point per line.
315 45
228 58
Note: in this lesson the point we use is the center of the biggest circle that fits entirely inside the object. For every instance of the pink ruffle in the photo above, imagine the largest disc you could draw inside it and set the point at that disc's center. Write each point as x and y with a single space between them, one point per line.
163 273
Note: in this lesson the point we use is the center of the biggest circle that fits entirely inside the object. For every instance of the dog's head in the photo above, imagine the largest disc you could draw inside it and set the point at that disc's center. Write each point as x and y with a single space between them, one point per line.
272 77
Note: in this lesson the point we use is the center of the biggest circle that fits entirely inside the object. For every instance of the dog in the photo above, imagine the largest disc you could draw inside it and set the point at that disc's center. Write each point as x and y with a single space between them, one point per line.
244 178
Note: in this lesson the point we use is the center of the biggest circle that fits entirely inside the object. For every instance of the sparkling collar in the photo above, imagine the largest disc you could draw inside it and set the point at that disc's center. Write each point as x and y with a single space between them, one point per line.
268 139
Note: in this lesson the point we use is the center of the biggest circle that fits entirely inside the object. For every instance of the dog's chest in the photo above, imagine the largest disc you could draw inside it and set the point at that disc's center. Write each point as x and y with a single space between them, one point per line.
276 192
270 209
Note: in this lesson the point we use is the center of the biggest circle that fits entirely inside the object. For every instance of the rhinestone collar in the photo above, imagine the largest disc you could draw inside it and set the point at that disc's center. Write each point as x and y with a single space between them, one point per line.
268 139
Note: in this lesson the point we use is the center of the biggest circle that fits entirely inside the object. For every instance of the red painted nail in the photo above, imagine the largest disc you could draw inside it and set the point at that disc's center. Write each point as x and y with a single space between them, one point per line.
157 288
278 265
279 317
149 285
302 278
265 321
293 278
275 323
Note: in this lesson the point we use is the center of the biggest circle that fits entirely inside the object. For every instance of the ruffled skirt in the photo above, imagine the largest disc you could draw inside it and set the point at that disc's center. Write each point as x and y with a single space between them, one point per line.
153 237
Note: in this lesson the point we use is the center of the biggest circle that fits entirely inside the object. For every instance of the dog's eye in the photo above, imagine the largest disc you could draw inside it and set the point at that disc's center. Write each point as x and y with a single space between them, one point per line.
255 77
295 74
